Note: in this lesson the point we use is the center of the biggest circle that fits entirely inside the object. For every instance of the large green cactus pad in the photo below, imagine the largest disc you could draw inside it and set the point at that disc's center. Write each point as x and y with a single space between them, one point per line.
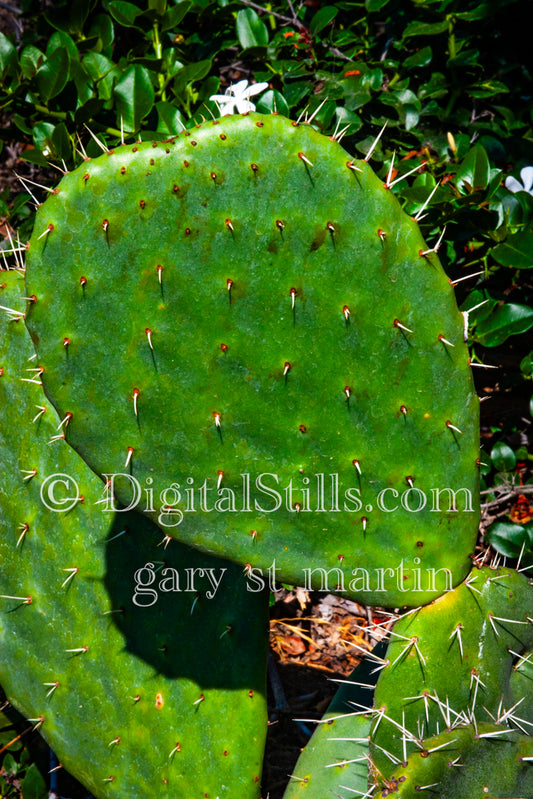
162 700
462 656
247 300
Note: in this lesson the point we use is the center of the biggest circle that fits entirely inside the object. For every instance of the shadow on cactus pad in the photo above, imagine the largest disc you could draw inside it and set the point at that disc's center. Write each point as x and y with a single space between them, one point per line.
177 607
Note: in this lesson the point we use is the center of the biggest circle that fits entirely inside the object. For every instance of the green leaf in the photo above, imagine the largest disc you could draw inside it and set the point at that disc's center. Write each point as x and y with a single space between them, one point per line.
465 58
425 28
102 28
135 96
482 11
22 123
103 72
418 193
62 145
355 94
506 320
42 135
149 61
124 13
79 11
171 63
507 538
31 59
435 87
69 17
474 172
407 105
528 527
495 179
251 31
344 117
170 119
189 74
272 101
8 54
61 39
375 5
374 79
174 15
159 6
526 365
516 251
8 733
208 87
421 58
323 18
87 111
503 457
33 785
53 76
482 302
488 89
9 764
83 83
295 93
35 157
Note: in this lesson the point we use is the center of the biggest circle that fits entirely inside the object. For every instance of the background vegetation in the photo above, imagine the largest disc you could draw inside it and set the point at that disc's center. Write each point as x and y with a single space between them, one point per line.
451 80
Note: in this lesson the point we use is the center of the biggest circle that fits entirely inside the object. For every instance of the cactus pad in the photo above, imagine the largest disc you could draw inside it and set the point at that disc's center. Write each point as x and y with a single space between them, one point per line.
339 750
161 700
466 763
244 321
462 657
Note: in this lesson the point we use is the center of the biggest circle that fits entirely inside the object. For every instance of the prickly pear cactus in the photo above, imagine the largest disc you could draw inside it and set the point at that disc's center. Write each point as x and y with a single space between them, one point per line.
244 325
339 750
470 762
520 682
137 697
451 713
455 659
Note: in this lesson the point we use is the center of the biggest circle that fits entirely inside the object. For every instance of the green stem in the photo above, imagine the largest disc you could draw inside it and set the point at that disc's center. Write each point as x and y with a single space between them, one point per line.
158 49
394 80
112 132
452 52
54 114
451 102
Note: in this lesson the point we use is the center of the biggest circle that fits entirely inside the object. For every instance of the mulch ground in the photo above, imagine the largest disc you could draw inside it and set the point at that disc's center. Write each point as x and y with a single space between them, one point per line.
315 639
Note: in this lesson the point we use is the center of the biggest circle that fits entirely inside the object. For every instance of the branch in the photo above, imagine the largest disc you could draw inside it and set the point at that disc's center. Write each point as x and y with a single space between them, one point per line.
513 491
10 8
275 14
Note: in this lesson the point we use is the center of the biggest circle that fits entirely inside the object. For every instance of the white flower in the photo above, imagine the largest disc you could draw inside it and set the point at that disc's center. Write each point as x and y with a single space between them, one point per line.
527 181
237 97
